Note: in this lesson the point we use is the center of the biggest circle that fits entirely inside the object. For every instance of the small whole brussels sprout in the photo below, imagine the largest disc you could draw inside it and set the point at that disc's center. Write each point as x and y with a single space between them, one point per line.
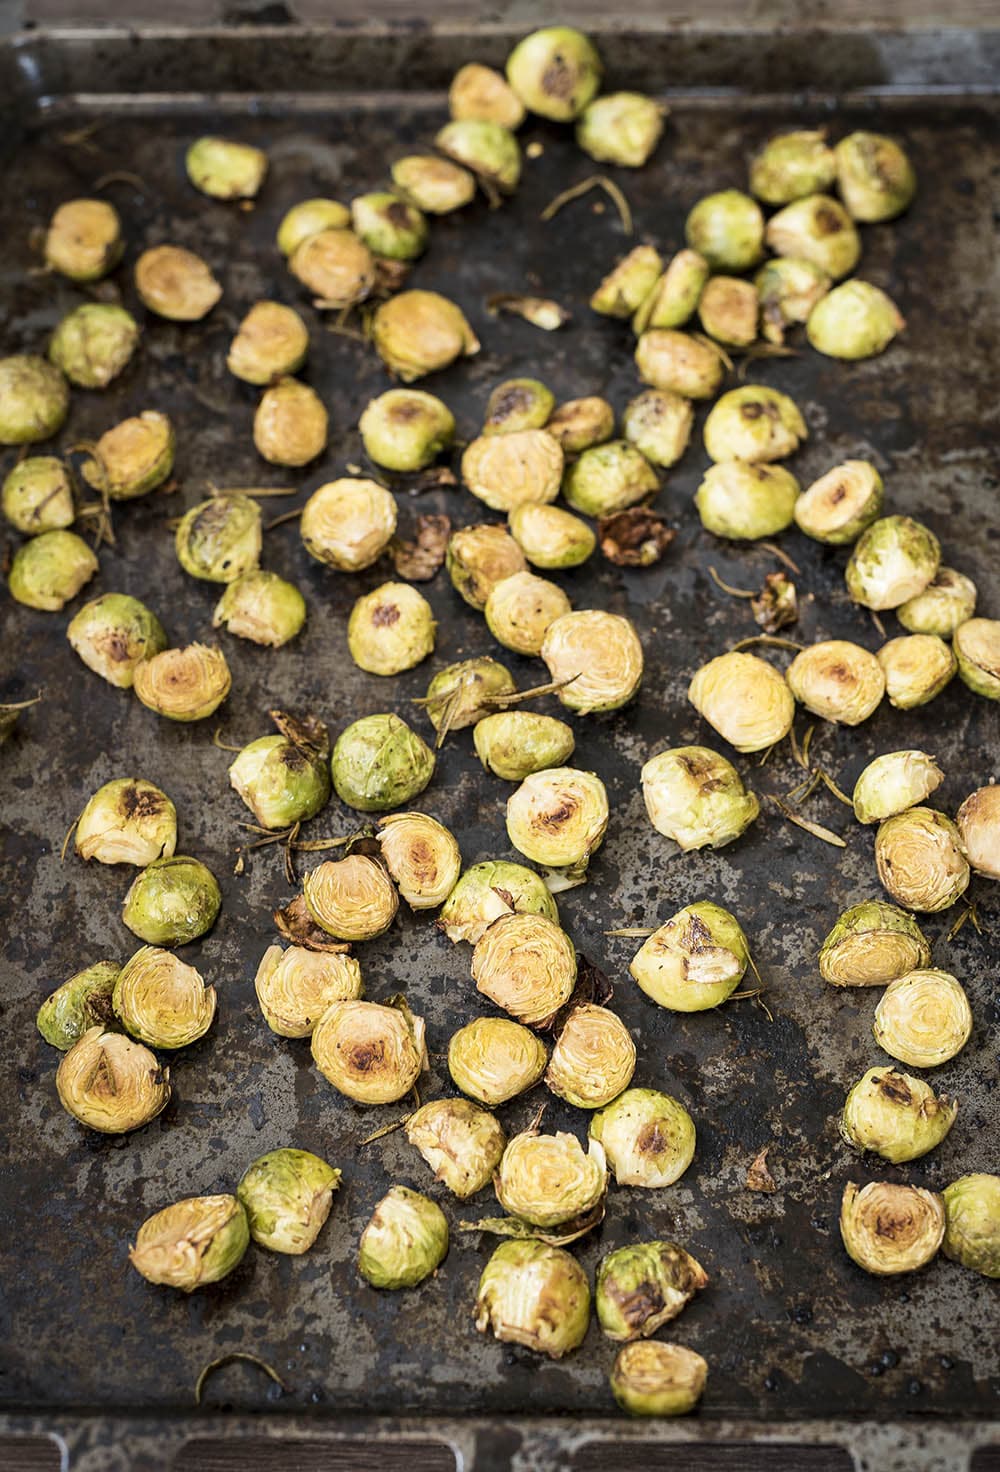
220 539
405 429
287 1195
948 600
405 1241
641 1287
548 1180
839 506
972 1233
896 1115
598 655
271 342
658 423
352 898
787 290
261 607
435 185
621 128
920 859
793 165
580 423
379 762
916 668
854 320
672 300
422 856
93 343
696 797
291 424
514 743
875 178
628 284
461 694
728 230
224 169
420 332
837 680
679 363
489 890
978 823
282 782
816 229
461 1143
555 72
871 944
176 284
82 1002
391 629
183 684
887 1228
893 560
480 92
558 817
370 1053
729 309
295 987
348 523
335 266
133 458
744 501
50 570
521 609
487 149
513 469
518 403
923 1019
609 478
310 217
172 901
389 226
745 699
34 400
976 643
650 1378
493 1059
894 782
593 1059
111 1084
479 557
536 1295
525 964
38 496
84 239
550 537
114 633
694 961
192 1243
127 821
162 1001
648 1138
754 423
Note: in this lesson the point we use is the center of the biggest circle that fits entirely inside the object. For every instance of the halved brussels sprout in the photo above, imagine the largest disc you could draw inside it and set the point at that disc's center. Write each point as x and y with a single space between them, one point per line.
694 961
419 332
598 655
127 821
696 797
948 601
114 633
287 1195
480 92
191 1243
754 423
555 71
487 148
405 1241
787 289
82 1002
162 1001
352 898
220 539
422 856
547 1180
972 1233
133 458
558 817
461 694
370 1053
405 428
580 423
521 609
916 668
271 342
172 901
514 743
888 1228
896 1115
93 343
628 284
728 309
793 165
489 890
816 228
641 1287
745 699
854 320
335 266
291 424
650 1378
976 644
391 629
516 404
518 468
261 607
923 1019
435 185
310 217
50 570
224 169
839 506
493 1059
34 399
461 1144
871 944
479 557
874 176
680 364
727 228
893 560
84 239
536 1295
894 782
672 300
295 987
183 684
920 859
38 496
837 680
609 478
593 1059
978 823
525 964
348 523
282 782
380 762
550 537
111 1084
746 501
391 227
658 423
176 284
648 1138
621 128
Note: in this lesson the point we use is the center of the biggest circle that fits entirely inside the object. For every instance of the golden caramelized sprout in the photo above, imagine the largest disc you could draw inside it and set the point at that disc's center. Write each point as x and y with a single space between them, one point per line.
787 289
641 1287
518 403
348 523
291 423
555 72
598 655
352 898
287 1195
405 1241
111 1084
558 817
920 859
816 229
420 332
875 178
192 1243
977 649
172 901
871 944
536 1295
220 539
948 601
696 797
744 501
894 782
34 400
493 1060
50 570
550 537
745 699
92 345
854 320
727 229
650 1378
610 478
837 680
728 309
513 469
84 239
461 1143
514 743
422 856
224 169
162 1001
478 558
593 1059
489 890
183 684
580 423
405 428
392 228
972 1233
486 148
480 92
379 762
694 961
621 128
261 607
793 165
978 822
525 964
82 1002
462 693
547 1180
127 821
390 629
839 506
888 1228
310 217
295 987
176 284
114 633
435 185
370 1053
658 424
893 560
521 609
672 300
335 266
628 284
38 495
916 668
754 423
896 1115
680 364
923 1019
133 458
271 342
648 1138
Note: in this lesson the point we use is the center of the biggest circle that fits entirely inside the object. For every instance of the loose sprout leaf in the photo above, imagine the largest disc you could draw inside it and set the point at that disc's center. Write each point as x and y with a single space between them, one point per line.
298 927
759 1177
420 560
539 311
243 1357
636 537
595 181
307 732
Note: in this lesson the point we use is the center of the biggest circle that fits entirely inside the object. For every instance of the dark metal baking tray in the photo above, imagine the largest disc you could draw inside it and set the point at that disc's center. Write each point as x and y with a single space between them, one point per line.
805 1350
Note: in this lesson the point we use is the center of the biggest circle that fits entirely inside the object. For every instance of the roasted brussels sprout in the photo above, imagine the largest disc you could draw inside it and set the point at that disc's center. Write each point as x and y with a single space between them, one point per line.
162 1001
597 655
972 1233
894 559
696 797
525 964
224 169
486 148
38 496
896 1115
133 458
787 290
422 856
580 423
754 423
390 629
291 423
93 343
518 403
593 1059
379 762
628 284
261 607
370 1053
976 643
352 898
694 961
555 72
114 633
82 1002
513 469
419 332
536 1295
435 185
220 539
916 668
295 987
111 1084
888 1228
34 400
744 501
728 310
558 817
335 266
478 558
514 743
648 1138
894 782
978 822
287 1195
194 1242
920 859
609 478
282 781
489 890
348 523
271 342
818 229
546 1180
405 1241
837 680
745 699
480 92
127 821
84 239
521 609
172 901
461 1144
176 284
871 944
793 165
658 424
650 1378
854 320
672 300
621 128
839 506
728 230
405 429
550 537
948 601
461 694
183 684
50 570
680 364
493 1059
390 227
641 1287
874 176
310 217
923 1019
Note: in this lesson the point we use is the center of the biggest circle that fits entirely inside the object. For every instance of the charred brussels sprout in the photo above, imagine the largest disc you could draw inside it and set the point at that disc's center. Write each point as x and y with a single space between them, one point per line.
550 537
422 856
728 230
34 400
335 266
419 332
642 1287
854 320
489 890
50 570
599 657
282 782
744 501
948 601
896 1115
887 1228
405 429
111 1084
650 1378
923 1019
93 343
525 964
728 309
558 817
224 169
478 558
513 469
183 684
696 797
84 239
379 762
648 1138
493 1060
839 506
978 822
82 1002
461 694
754 423
310 217
609 478
114 633
521 609
370 1053
290 425
261 607
480 92
694 961
658 424
874 175
547 1180
680 364
38 496
972 1233
352 898
486 148
628 284
920 859
593 1059
580 423
536 1295
192 1243
518 403
976 643
173 901
220 539
894 782
787 290
390 227
816 229
793 165
348 523
871 944
837 680
893 560
287 1195
672 300
621 128
405 1241
127 821
176 284
916 668
555 72
271 342
133 458
745 699
162 1001
435 185
391 629
295 987
512 744
461 1144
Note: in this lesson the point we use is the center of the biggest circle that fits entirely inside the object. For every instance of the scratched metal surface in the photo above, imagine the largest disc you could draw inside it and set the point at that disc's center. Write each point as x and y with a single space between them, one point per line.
791 1329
